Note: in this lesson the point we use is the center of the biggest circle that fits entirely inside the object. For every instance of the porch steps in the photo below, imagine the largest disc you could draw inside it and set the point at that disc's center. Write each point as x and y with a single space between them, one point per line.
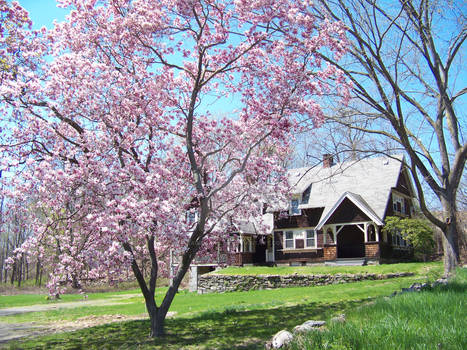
347 262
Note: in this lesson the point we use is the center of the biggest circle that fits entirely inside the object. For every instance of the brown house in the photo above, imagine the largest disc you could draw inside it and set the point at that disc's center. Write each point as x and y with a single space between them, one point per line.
335 214
337 211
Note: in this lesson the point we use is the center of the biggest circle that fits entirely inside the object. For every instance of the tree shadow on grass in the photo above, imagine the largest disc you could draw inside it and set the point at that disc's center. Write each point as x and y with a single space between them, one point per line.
231 329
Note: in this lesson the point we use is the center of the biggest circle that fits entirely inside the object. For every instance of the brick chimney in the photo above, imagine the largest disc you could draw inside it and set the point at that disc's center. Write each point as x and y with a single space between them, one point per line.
328 161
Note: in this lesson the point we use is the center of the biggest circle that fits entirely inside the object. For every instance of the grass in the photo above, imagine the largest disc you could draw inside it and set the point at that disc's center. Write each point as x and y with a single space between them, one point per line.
31 299
417 268
237 320
190 304
432 319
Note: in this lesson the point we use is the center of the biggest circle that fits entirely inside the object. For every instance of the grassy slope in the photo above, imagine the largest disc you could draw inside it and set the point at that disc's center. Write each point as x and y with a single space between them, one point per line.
221 321
224 321
433 319
418 268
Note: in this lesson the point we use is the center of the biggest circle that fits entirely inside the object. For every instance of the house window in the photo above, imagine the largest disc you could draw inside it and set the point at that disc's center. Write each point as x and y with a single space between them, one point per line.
398 203
371 233
299 243
294 210
300 239
289 240
311 238
248 246
306 195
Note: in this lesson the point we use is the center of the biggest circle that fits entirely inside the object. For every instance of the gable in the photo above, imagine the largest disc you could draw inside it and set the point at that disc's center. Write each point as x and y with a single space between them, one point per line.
403 185
347 212
309 218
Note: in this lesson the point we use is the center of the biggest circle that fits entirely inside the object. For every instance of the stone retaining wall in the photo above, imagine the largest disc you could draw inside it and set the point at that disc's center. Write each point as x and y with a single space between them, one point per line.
232 283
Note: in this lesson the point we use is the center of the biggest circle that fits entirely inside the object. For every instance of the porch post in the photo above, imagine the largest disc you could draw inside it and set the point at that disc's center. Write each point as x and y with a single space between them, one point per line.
273 247
366 231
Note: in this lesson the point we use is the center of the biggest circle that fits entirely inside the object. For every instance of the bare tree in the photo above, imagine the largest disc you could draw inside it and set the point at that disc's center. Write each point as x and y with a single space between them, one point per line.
339 137
405 65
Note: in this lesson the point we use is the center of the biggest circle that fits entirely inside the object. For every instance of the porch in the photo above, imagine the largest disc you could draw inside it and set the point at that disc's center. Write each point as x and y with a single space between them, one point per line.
358 241
252 249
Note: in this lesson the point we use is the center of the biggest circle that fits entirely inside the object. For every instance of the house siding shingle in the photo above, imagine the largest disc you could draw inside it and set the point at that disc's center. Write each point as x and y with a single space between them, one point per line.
347 212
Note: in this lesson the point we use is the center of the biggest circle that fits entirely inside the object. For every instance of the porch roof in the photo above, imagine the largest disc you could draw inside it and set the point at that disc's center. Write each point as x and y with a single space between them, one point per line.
359 203
254 226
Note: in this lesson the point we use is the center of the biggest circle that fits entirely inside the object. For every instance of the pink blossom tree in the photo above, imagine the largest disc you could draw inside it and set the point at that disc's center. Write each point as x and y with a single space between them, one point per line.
123 116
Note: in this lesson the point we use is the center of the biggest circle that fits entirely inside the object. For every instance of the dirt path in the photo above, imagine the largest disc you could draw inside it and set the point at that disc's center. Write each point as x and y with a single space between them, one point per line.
11 331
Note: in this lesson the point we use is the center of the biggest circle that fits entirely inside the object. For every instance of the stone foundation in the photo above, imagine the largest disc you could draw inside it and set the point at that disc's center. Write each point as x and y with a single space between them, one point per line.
235 283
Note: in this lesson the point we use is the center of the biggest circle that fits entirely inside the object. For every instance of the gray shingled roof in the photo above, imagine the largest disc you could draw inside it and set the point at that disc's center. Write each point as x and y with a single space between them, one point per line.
371 179
254 226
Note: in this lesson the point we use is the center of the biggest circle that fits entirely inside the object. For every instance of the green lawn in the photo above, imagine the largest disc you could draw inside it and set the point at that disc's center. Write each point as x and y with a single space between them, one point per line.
433 319
32 299
208 321
417 268
242 320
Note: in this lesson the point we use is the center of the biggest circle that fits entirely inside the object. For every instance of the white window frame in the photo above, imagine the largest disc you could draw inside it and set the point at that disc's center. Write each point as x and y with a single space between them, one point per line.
291 211
315 239
248 244
289 239
300 234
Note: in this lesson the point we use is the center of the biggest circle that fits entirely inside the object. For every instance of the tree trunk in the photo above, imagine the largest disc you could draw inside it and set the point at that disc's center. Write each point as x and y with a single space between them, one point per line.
20 272
75 282
451 249
450 238
157 323
38 267
13 273
40 277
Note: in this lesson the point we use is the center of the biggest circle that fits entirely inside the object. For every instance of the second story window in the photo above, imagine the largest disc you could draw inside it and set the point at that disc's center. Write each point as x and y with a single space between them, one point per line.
294 210
398 204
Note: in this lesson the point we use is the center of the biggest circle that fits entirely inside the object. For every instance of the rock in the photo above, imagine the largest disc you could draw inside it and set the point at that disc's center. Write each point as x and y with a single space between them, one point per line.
313 323
338 319
308 326
281 338
416 286
440 282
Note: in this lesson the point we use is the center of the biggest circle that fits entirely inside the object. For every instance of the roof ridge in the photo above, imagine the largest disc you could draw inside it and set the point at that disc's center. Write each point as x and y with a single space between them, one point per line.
354 161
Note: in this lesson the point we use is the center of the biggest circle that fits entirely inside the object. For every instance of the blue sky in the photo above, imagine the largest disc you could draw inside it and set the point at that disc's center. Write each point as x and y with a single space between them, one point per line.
43 12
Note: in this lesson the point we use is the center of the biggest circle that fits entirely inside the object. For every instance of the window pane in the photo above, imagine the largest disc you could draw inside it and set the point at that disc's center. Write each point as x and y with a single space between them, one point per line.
289 235
299 244
294 207
289 243
310 238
